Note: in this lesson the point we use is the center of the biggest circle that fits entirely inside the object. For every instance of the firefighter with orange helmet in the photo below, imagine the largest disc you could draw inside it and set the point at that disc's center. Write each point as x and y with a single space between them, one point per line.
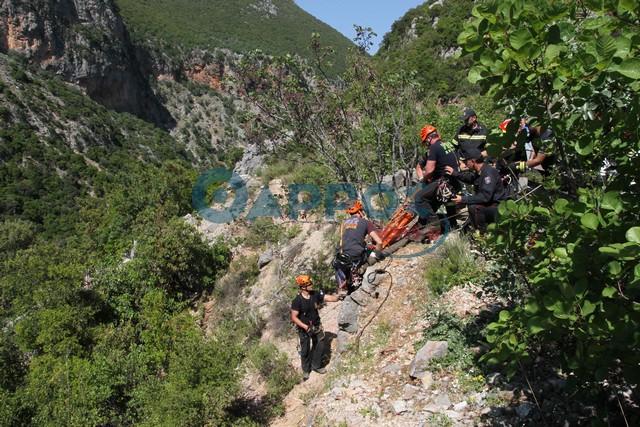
352 250
305 316
430 170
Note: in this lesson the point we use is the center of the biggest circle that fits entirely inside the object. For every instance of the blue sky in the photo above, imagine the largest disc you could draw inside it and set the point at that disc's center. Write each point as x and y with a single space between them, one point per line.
343 14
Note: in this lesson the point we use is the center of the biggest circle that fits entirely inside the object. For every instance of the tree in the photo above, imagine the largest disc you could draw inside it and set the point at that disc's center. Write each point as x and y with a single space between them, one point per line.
573 67
361 125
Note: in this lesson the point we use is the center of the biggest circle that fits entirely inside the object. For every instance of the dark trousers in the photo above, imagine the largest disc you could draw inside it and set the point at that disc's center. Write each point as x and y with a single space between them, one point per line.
483 215
427 204
311 349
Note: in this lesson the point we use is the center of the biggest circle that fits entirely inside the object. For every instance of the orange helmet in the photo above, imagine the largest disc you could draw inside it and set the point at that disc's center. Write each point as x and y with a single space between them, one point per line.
355 208
503 126
303 280
426 131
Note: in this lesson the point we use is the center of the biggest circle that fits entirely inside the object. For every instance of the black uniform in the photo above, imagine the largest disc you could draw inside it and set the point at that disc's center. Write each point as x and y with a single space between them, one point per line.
469 137
311 344
426 198
483 205
539 144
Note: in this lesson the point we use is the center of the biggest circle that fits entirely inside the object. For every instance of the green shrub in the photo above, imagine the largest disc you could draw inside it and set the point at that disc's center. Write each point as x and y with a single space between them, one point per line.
460 335
262 231
275 369
454 265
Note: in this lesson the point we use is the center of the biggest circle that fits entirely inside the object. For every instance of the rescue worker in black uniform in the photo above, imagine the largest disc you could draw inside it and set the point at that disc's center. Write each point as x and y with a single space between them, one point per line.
483 205
430 170
305 315
352 250
533 148
471 134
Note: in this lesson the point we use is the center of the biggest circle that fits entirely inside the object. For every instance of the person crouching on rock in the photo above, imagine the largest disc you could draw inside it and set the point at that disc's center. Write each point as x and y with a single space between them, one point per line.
305 315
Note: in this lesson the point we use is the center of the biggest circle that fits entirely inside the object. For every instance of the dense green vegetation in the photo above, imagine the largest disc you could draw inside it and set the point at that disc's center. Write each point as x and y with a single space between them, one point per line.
572 251
239 25
424 41
98 273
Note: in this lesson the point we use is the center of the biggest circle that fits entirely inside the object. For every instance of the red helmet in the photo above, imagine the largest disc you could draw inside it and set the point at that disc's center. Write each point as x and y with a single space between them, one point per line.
426 131
503 126
355 208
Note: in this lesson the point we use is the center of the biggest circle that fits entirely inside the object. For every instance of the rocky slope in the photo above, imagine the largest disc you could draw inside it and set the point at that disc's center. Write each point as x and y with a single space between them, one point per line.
401 355
86 43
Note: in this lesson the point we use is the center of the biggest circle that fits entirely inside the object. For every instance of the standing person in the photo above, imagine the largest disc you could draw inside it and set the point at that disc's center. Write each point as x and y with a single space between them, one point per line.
305 315
471 134
352 252
483 205
430 170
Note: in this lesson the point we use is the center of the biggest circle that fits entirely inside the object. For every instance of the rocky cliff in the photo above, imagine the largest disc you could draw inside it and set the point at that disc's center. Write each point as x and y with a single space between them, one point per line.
86 42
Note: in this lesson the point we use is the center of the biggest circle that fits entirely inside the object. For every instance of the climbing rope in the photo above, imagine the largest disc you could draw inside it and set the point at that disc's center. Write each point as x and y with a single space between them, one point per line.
378 271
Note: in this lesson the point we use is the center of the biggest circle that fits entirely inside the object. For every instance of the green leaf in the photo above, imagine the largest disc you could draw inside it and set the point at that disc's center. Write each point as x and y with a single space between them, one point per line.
629 68
552 52
623 47
560 252
532 307
609 250
588 307
627 5
520 38
535 325
541 210
633 234
590 221
559 82
475 75
614 268
611 201
560 205
504 316
466 36
609 292
584 146
605 47
636 271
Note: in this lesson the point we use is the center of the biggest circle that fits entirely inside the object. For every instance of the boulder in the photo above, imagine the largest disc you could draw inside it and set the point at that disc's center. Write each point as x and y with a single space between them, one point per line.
348 317
431 350
265 258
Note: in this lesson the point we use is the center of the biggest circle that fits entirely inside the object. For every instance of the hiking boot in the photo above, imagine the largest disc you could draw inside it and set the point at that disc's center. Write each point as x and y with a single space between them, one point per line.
321 370
305 376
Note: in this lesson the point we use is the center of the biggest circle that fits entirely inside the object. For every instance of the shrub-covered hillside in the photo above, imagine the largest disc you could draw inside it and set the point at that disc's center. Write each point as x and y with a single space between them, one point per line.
274 26
424 41
98 272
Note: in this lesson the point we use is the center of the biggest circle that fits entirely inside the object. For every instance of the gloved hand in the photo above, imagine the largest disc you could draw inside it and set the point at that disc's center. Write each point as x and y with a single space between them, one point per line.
518 166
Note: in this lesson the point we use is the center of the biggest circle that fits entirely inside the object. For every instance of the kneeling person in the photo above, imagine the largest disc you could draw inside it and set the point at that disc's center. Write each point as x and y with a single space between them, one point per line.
353 249
483 205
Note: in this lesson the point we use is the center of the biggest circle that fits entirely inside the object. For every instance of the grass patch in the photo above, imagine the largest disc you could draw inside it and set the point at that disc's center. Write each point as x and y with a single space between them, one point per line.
242 273
274 368
460 335
439 420
262 231
454 265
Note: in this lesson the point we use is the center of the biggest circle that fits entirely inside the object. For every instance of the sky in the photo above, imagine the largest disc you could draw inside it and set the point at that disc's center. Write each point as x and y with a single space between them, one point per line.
343 14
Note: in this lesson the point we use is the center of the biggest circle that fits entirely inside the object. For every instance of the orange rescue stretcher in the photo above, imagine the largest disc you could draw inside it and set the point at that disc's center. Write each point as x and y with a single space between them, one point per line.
404 227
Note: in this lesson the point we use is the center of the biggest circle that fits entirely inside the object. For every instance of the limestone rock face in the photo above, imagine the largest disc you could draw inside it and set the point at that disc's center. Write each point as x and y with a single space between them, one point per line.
86 43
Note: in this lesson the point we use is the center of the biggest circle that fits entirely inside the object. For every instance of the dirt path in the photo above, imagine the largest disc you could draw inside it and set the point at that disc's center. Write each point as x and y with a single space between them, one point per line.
397 312
295 406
